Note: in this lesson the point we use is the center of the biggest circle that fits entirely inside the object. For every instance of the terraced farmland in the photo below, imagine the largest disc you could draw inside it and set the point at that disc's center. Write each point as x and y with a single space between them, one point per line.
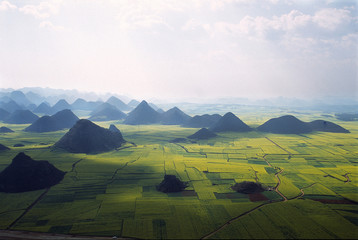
313 180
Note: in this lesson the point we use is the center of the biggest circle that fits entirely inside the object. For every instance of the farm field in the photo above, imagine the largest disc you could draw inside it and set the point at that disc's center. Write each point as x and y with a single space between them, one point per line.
114 194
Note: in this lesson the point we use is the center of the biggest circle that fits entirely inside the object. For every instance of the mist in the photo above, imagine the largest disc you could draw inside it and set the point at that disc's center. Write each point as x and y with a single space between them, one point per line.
182 51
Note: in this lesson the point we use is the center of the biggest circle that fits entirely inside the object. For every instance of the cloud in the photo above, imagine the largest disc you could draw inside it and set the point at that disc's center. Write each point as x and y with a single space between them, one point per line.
259 26
41 11
219 4
5 5
350 40
331 18
131 21
192 24
50 25
144 14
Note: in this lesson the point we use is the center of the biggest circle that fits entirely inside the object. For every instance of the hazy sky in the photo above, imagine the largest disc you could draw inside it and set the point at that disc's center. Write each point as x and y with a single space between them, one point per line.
182 48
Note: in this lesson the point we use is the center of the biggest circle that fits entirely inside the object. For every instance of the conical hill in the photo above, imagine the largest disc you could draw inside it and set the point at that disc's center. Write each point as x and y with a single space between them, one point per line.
142 114
287 124
230 123
174 116
87 137
202 134
25 174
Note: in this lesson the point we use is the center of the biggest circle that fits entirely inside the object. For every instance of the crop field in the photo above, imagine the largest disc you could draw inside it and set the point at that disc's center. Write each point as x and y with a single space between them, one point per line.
114 194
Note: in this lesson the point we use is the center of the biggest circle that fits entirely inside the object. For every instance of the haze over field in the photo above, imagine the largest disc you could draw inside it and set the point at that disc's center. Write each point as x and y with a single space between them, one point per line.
182 49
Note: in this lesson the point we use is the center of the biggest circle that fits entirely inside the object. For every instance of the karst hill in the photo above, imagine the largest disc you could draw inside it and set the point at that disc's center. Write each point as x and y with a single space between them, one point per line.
87 137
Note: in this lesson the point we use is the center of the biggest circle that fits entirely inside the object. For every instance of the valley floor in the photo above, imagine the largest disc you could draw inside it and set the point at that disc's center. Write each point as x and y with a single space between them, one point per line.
313 180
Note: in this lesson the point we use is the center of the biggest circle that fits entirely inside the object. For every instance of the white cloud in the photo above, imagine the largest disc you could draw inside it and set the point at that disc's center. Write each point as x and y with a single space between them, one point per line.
191 24
286 22
43 10
293 20
5 5
219 4
50 25
144 14
259 26
331 18
131 21
350 40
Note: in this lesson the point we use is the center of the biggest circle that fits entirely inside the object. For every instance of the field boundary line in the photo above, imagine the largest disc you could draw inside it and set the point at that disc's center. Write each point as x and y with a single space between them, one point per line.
278 185
120 168
74 168
346 176
121 148
28 208
234 219
302 192
279 146
201 153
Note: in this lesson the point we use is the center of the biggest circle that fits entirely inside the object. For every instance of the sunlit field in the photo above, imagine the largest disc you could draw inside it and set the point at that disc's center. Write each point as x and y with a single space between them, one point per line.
114 193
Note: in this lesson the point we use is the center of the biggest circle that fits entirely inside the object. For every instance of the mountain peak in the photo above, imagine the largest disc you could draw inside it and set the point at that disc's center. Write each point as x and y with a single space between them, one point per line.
230 123
142 114
87 137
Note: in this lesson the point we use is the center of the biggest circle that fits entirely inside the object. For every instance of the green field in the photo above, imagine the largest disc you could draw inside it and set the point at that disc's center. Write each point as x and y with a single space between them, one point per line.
115 193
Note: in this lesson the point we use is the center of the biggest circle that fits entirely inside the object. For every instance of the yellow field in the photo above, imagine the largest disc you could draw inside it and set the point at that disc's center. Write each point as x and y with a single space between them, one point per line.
115 193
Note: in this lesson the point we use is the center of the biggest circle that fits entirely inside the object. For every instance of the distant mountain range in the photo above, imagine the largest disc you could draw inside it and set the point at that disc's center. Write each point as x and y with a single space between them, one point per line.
22 107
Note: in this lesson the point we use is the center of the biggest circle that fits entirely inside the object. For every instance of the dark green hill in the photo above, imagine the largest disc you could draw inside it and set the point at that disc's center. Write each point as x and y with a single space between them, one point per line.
63 119
106 112
287 124
203 133
326 126
201 121
93 105
3 147
60 105
80 104
230 123
43 108
5 130
174 116
3 114
113 128
171 184
34 97
21 117
133 103
155 107
25 174
160 111
31 107
20 98
142 114
87 137
11 106
118 103
102 107
43 124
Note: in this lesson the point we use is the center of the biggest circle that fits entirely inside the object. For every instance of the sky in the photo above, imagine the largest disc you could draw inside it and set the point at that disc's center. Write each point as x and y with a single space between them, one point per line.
182 49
